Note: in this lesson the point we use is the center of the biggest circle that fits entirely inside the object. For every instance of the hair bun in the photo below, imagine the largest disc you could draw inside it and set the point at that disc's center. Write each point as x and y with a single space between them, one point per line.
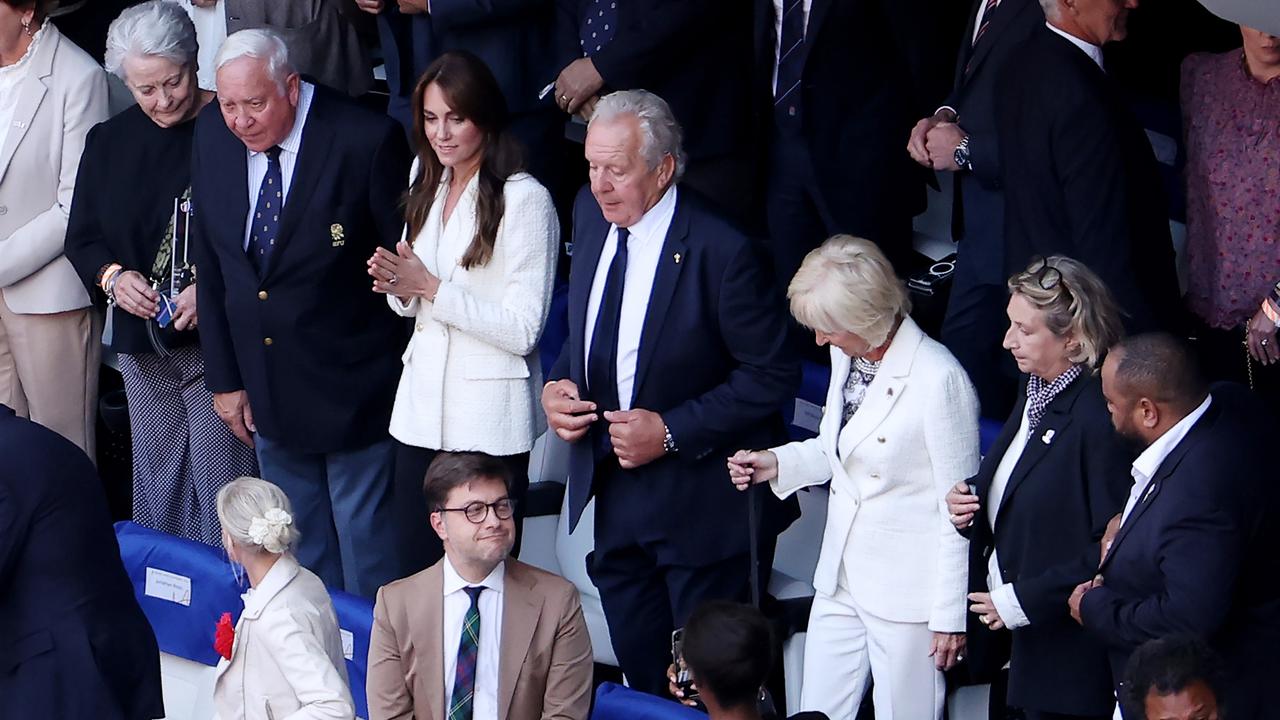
271 531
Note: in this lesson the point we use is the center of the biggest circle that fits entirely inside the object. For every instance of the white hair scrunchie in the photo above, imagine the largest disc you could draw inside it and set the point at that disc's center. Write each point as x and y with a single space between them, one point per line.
268 530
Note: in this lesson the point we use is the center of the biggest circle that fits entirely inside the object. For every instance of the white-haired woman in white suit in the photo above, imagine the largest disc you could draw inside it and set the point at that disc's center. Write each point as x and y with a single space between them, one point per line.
286 659
900 428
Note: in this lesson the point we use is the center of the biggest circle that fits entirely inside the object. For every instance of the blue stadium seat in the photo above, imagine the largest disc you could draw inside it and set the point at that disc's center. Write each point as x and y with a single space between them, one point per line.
615 702
355 619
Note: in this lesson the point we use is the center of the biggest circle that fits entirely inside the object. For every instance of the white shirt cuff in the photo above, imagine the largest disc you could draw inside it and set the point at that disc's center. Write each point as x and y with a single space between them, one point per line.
1007 605
954 114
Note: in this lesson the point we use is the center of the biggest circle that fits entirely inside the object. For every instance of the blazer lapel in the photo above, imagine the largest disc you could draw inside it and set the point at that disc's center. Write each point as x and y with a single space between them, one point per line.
995 453
30 94
1057 418
429 643
1001 17
588 247
317 137
664 287
817 15
884 390
520 611
833 413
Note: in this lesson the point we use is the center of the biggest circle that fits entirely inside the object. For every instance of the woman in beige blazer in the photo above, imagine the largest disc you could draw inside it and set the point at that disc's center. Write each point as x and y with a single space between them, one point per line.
286 658
900 428
475 272
51 93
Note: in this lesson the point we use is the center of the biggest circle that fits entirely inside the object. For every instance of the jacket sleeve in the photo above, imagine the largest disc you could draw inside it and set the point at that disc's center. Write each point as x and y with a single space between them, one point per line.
389 695
86 247
568 690
292 642
42 239
221 371
527 240
754 333
951 439
800 465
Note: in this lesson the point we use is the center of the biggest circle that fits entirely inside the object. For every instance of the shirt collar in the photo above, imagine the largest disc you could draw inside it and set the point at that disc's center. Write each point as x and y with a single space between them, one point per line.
658 219
280 574
1093 51
1146 465
292 142
453 582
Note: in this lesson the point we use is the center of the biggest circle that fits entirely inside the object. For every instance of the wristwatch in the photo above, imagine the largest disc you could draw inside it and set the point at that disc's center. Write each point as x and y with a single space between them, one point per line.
962 154
668 442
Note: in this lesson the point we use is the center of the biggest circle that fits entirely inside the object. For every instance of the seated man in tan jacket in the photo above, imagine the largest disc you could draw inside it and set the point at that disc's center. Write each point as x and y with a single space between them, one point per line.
478 635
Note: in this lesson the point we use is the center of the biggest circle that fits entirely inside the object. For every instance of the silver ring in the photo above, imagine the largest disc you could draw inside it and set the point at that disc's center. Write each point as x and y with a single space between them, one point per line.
1265 341
393 279
985 620
959 658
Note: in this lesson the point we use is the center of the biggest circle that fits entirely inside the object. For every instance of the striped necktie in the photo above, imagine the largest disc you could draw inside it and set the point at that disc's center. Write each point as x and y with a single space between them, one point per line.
786 95
464 678
987 13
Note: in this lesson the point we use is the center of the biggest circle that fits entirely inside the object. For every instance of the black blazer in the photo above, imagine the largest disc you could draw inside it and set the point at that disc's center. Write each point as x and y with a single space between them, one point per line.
1080 178
691 53
327 378
1053 514
978 195
1198 553
76 644
713 362
867 65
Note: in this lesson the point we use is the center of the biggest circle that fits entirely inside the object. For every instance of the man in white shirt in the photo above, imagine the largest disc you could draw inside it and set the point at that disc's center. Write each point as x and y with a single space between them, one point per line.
1195 550
478 635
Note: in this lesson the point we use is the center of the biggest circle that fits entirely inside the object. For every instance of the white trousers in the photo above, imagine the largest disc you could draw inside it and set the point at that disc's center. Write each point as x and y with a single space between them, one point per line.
846 646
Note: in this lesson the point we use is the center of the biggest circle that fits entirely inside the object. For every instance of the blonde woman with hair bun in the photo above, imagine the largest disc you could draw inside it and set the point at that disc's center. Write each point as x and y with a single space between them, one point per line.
900 428
286 658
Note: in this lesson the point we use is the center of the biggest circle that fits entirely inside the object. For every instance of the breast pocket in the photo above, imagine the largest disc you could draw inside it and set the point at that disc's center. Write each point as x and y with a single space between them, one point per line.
494 367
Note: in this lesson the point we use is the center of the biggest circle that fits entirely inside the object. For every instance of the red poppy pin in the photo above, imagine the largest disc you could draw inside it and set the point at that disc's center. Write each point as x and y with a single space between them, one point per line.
224 636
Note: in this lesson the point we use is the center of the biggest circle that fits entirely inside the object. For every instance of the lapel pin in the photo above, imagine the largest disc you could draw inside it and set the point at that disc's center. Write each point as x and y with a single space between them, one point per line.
1047 437
19 124
677 258
337 234
890 392
1150 489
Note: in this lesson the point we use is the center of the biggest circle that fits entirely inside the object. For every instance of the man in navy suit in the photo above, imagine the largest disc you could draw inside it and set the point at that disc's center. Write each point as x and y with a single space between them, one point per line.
293 187
1195 552
676 356
75 643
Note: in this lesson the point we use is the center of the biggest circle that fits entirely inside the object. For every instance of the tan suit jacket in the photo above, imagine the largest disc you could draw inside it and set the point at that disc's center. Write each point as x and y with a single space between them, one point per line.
545 662
63 95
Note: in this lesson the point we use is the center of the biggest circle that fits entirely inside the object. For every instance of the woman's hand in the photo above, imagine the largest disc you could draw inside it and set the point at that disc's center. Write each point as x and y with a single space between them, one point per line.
947 649
402 274
747 467
184 314
135 295
1261 339
985 609
962 505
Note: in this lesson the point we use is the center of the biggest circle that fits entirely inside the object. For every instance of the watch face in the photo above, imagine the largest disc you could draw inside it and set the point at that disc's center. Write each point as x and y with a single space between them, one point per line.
962 156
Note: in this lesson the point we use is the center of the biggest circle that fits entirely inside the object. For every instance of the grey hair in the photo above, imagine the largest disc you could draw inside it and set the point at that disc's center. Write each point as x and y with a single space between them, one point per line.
660 132
260 43
244 500
158 28
848 285
1052 9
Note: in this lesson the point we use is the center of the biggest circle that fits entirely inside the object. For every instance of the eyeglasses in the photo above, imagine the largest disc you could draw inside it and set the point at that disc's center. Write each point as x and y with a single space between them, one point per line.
477 512
1046 275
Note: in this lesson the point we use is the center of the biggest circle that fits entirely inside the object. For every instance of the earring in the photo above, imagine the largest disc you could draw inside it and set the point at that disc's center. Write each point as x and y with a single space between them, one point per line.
26 25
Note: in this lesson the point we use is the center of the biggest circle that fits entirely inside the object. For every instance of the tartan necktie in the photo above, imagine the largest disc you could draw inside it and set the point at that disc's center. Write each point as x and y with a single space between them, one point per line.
602 360
599 23
464 677
266 214
786 95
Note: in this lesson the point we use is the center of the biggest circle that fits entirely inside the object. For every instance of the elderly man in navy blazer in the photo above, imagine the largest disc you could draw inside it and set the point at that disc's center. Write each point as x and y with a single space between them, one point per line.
1195 551
675 358
293 187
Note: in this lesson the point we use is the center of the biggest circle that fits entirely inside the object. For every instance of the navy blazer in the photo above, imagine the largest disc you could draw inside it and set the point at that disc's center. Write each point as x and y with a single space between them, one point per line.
1071 479
75 642
317 350
713 362
1197 555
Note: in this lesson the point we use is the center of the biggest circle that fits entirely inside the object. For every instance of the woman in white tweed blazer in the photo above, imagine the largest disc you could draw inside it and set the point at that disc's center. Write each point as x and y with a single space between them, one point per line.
475 272
900 428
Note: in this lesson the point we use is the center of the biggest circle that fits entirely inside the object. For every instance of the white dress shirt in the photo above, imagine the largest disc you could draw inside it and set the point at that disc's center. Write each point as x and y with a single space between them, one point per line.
456 603
1148 463
1003 596
1093 51
289 148
644 248
777 33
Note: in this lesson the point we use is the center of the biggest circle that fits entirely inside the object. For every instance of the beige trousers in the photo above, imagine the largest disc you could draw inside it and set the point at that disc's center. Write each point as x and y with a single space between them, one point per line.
49 370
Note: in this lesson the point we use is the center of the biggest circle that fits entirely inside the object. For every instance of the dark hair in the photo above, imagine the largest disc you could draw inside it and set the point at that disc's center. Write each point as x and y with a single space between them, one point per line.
42 8
729 648
1168 666
1160 367
453 469
472 92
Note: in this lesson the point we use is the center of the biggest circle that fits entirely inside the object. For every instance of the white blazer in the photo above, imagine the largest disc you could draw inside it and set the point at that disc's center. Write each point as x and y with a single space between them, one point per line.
63 95
913 438
471 377
287 659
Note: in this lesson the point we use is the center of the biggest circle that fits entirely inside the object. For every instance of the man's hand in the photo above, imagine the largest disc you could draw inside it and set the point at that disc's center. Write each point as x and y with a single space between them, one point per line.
637 436
588 108
942 142
233 408
577 84
1077 597
1108 537
373 7
917 144
982 606
184 314
414 7
567 414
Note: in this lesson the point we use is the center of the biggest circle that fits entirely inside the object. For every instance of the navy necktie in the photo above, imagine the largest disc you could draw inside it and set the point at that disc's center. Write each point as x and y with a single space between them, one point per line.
599 23
462 700
266 214
602 360
786 96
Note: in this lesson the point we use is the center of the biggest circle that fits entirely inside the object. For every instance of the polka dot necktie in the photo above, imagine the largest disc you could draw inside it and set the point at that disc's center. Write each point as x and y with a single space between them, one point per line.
599 23
266 214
